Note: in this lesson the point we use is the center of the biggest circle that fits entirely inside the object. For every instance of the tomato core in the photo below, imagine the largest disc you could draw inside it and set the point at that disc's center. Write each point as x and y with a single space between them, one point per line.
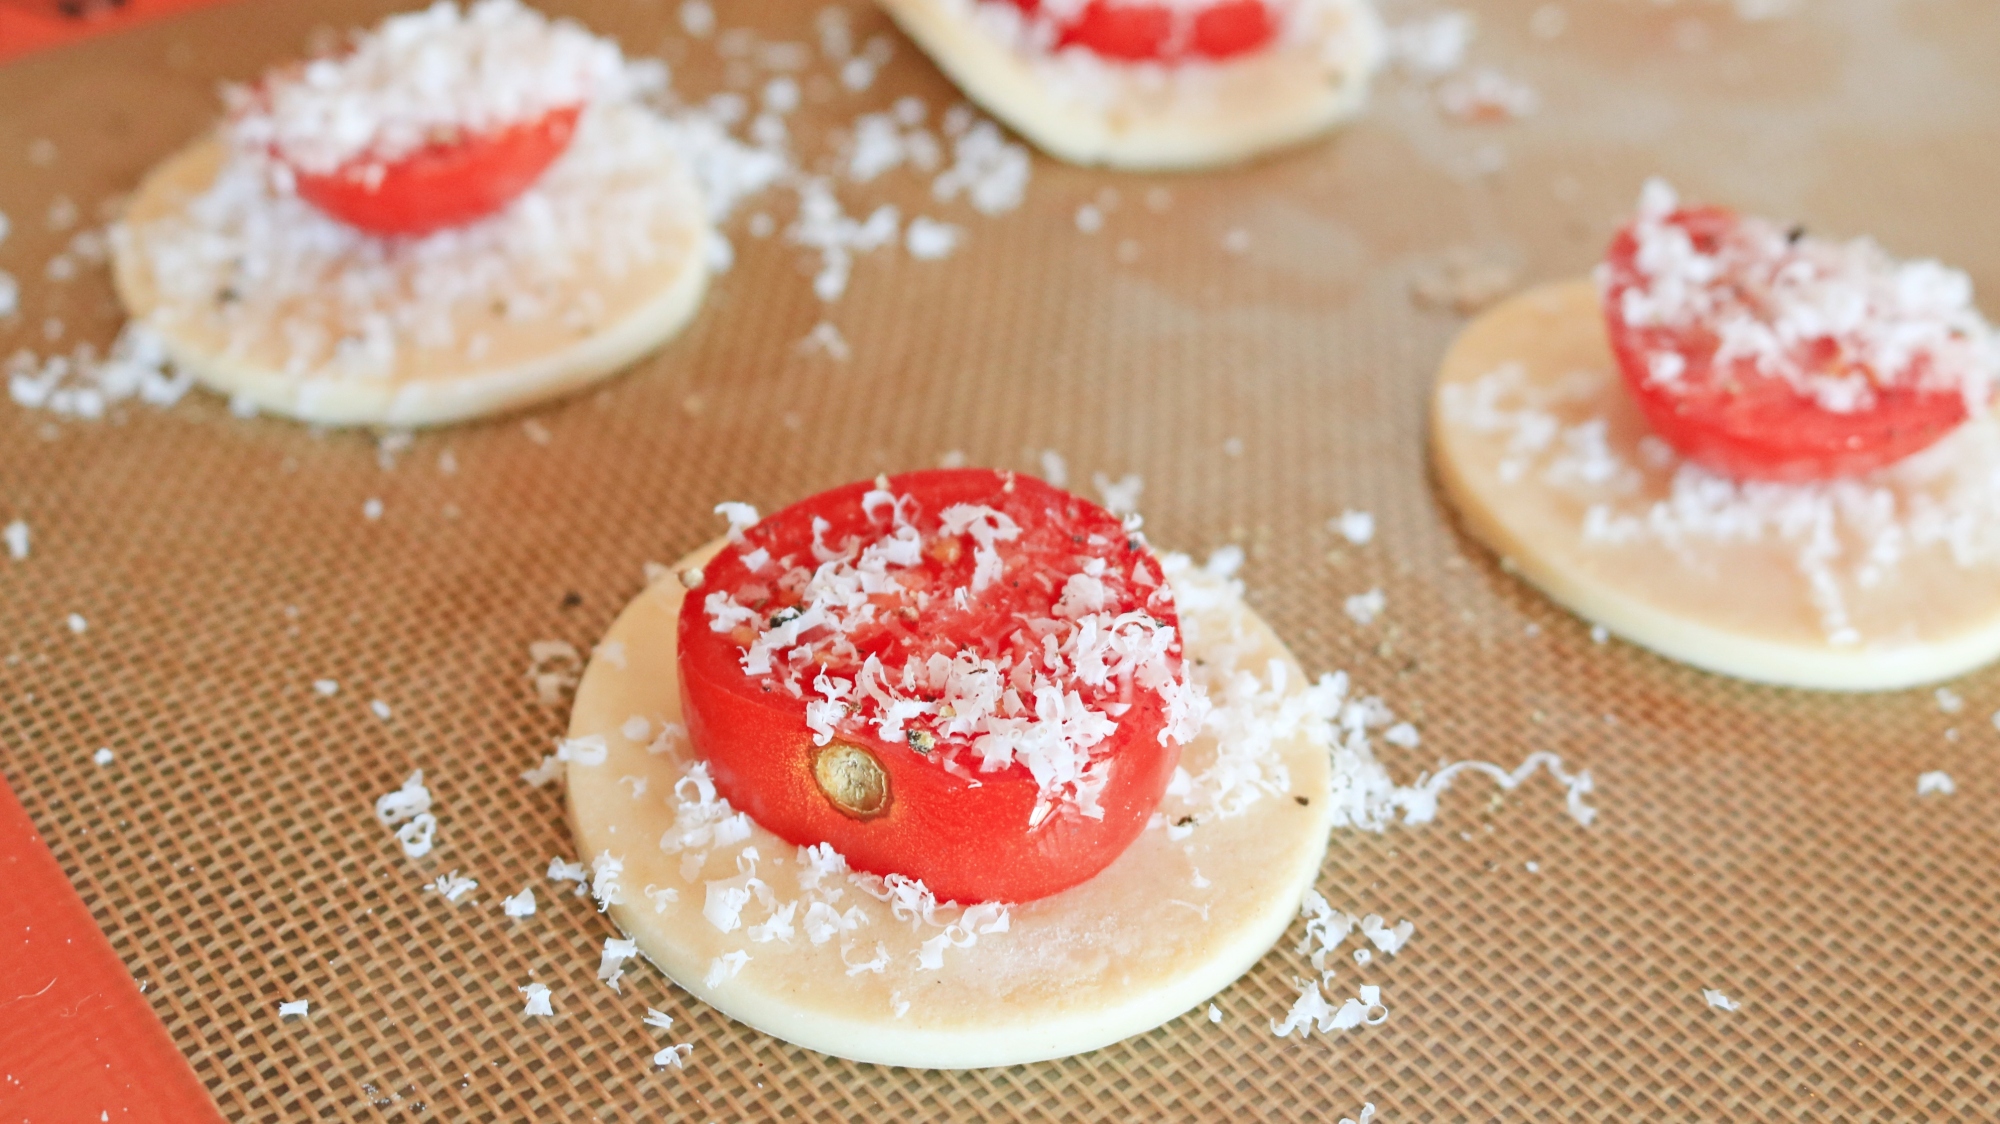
1789 404
959 676
1135 31
449 182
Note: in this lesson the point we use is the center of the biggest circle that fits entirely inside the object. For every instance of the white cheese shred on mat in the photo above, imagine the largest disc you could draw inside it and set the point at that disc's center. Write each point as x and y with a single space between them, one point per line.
409 806
17 536
453 886
521 904
1367 1115
561 870
1357 527
538 1002
1718 1000
673 1055
1936 783
610 962
1311 1010
295 1008
105 757
658 1019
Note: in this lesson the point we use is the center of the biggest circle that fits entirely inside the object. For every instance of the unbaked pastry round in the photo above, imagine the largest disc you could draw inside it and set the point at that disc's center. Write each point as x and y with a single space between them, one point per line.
599 263
1147 116
1174 920
1883 581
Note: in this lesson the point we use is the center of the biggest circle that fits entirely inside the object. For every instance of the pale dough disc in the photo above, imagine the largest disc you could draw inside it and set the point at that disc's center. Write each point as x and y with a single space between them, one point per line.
1150 117
606 259
1549 462
1165 927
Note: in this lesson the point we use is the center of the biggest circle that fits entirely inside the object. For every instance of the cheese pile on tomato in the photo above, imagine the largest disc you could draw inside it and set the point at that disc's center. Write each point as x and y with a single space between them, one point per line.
960 676
434 118
1765 354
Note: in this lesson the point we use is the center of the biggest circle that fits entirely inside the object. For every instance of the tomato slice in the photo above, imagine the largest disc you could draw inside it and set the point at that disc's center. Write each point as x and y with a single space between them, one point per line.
446 183
1136 31
960 676
1764 355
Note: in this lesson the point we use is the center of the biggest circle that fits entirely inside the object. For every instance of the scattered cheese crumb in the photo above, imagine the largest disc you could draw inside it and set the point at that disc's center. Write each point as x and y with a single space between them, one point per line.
561 871
1487 95
1403 735
1121 497
453 887
726 967
371 509
659 1019
825 338
294 1009
1949 701
1363 608
521 904
77 624
610 963
930 240
1718 1000
554 667
16 534
549 771
1599 634
327 688
105 756
673 1055
1935 783
538 1001
697 18
1357 527
380 709
1089 219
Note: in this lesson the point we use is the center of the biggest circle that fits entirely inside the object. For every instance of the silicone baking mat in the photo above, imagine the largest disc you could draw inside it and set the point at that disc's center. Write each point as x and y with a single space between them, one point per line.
1257 345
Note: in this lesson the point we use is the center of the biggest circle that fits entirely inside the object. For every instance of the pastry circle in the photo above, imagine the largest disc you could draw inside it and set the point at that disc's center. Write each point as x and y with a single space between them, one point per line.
1881 581
598 264
1175 919
1149 117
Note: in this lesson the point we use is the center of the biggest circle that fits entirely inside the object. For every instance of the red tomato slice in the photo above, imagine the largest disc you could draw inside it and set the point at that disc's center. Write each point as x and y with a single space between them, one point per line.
1750 421
916 800
1135 31
444 184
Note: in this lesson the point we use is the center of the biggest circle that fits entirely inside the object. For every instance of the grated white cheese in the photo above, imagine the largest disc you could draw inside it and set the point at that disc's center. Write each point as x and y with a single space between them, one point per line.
605 872
295 1008
1773 302
927 239
1485 94
610 963
1949 701
673 1055
1432 46
538 1002
1935 783
326 688
658 1019
379 709
1357 527
1718 1000
17 537
725 967
549 771
521 904
561 870
588 751
1848 535
1363 608
418 835
1037 698
1214 1014
103 757
77 624
1312 1010
453 886
1121 496
409 801
441 71
554 667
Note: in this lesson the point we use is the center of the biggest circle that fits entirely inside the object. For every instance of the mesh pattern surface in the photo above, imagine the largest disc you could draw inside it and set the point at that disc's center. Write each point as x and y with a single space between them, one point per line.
1766 843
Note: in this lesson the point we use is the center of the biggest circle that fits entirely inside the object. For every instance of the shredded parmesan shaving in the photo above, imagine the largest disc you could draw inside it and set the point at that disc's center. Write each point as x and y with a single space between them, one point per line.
538 1002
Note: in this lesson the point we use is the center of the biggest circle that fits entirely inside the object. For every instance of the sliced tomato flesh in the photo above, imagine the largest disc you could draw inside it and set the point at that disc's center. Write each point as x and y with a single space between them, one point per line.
450 182
1136 31
1747 419
975 646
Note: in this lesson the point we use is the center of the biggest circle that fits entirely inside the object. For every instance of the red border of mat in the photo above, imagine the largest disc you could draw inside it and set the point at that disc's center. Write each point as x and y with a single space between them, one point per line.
76 1038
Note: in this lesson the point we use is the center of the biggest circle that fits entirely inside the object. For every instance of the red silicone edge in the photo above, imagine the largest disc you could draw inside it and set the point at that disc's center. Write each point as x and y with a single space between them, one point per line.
77 1040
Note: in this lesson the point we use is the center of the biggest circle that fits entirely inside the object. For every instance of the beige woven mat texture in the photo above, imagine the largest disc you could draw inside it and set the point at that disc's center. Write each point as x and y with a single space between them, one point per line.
1766 843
